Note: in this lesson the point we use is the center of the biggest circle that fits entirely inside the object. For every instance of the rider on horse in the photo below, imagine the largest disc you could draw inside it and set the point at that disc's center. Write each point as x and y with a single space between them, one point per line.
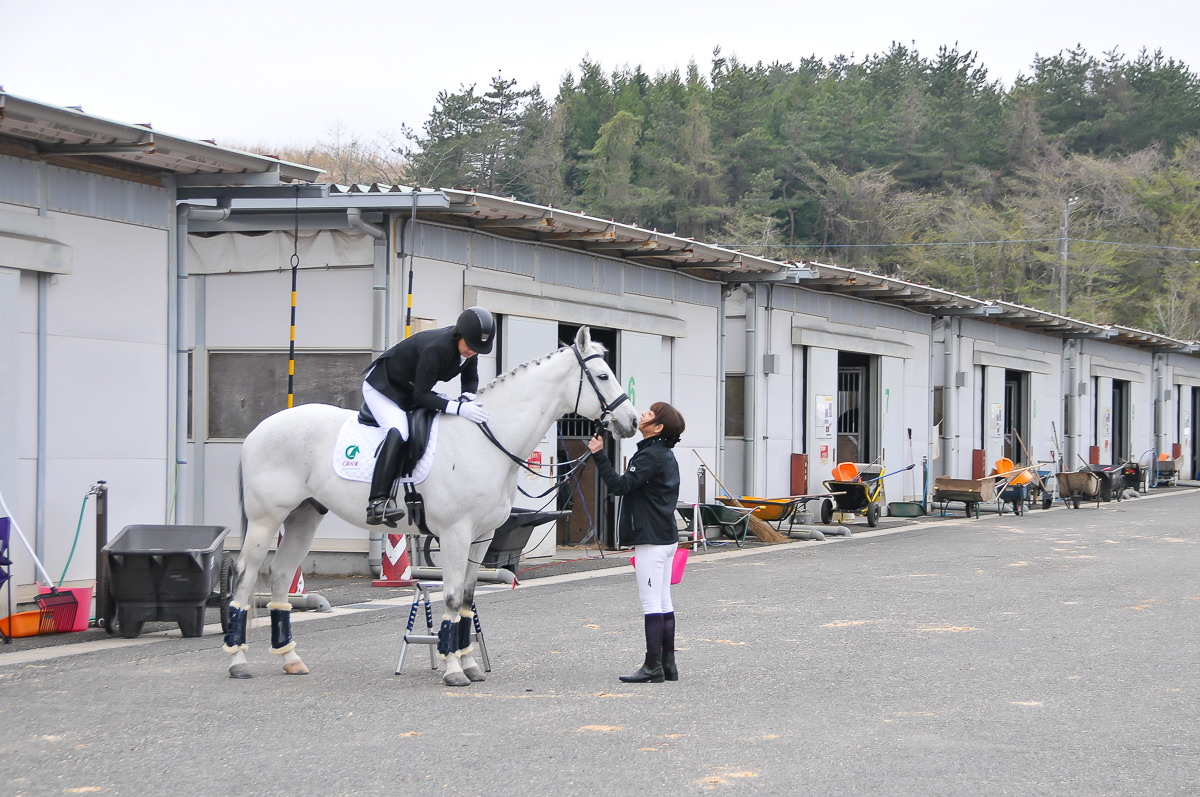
402 379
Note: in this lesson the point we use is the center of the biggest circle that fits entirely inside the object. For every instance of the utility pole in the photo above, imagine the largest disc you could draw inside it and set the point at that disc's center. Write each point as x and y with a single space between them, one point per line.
1062 255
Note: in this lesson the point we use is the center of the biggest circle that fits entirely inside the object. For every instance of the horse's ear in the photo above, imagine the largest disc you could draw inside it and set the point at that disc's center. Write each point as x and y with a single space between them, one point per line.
583 338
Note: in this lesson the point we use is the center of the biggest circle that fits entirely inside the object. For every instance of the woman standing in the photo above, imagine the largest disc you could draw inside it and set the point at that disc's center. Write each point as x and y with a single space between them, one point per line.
651 488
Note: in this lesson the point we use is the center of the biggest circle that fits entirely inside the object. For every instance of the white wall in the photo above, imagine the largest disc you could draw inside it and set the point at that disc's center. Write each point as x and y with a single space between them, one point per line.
106 366
696 395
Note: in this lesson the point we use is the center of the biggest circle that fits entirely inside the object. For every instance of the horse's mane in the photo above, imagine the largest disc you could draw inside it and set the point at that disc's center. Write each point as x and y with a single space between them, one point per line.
500 378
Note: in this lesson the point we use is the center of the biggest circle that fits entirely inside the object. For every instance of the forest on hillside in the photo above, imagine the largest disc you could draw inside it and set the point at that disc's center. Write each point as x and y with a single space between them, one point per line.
914 167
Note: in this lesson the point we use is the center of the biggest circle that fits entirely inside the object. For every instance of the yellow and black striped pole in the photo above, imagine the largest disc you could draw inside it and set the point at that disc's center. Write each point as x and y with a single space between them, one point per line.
295 267
292 343
412 247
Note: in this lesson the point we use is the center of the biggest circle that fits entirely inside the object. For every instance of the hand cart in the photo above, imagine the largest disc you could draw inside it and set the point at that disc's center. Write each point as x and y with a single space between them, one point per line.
783 510
858 497
1075 486
971 492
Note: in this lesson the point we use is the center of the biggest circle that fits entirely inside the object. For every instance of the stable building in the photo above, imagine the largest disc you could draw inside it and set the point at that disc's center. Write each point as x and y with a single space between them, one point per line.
153 291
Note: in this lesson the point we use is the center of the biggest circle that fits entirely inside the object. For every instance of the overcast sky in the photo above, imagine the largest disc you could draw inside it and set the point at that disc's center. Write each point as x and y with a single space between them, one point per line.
288 72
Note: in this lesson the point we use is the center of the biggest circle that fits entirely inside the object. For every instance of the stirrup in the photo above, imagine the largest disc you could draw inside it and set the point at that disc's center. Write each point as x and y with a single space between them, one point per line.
385 511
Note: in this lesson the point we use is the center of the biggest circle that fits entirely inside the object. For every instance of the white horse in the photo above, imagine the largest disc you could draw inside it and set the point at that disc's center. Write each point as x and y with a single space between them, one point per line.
287 478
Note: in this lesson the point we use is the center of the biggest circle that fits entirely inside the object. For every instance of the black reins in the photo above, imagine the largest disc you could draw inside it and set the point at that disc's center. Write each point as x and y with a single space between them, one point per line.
606 409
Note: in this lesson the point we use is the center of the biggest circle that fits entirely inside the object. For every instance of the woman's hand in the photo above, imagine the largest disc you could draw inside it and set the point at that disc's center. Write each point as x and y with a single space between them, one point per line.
596 444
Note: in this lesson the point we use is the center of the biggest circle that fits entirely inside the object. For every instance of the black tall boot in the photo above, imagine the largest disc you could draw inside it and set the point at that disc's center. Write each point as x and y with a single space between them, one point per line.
652 670
382 507
670 671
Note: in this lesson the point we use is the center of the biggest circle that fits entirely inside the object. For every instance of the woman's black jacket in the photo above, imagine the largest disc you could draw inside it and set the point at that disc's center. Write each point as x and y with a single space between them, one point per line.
651 488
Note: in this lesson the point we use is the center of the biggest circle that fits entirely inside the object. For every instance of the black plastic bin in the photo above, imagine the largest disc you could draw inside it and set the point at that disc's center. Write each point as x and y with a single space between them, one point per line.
1110 478
163 573
510 539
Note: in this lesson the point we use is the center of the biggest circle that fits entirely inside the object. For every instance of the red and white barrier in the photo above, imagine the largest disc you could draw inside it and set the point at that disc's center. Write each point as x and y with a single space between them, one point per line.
397 568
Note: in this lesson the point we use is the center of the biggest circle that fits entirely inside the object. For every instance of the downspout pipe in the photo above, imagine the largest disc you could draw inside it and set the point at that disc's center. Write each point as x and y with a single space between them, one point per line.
179 308
379 302
1160 404
749 428
949 396
379 287
721 381
1072 423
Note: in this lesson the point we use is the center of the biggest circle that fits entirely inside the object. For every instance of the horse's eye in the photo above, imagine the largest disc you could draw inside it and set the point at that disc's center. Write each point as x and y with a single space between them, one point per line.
603 377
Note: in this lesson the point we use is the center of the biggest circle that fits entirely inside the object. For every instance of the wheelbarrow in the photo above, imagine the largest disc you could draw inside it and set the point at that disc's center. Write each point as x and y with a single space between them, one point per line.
1075 486
970 492
1112 482
854 495
778 511
1018 485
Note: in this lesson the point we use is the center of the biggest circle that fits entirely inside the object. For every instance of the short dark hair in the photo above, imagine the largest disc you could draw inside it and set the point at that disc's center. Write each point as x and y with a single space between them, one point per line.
671 420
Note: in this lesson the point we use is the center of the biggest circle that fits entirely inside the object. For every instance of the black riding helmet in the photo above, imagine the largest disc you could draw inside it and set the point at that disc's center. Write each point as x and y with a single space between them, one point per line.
477 328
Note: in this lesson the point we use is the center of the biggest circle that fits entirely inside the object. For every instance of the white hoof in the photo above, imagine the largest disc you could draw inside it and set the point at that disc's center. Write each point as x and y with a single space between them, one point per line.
456 679
474 673
295 668
240 671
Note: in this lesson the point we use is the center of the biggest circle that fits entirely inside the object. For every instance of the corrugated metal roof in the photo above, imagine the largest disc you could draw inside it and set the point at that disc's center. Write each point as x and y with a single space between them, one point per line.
51 131
510 218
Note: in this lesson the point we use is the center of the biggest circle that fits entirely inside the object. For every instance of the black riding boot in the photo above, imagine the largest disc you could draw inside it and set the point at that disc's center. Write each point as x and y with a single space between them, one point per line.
670 671
652 670
382 507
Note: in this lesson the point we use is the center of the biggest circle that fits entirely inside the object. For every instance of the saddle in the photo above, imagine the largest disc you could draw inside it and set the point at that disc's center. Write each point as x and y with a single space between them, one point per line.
420 421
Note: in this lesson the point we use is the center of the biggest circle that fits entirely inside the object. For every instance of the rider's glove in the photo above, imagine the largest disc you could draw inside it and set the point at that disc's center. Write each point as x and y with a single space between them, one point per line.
467 397
471 410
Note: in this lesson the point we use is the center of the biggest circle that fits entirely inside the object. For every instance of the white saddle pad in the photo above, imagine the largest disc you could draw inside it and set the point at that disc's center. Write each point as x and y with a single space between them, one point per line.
354 451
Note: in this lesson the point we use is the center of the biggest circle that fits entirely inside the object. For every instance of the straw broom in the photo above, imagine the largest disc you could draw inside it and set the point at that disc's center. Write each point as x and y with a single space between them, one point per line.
758 527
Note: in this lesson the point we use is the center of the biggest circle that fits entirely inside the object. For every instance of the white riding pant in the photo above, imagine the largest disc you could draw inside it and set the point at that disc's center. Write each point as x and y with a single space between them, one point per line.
652 568
386 413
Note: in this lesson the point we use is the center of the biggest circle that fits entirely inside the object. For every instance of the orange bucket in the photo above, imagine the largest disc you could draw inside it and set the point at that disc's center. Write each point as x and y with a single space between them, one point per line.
845 472
1005 465
21 624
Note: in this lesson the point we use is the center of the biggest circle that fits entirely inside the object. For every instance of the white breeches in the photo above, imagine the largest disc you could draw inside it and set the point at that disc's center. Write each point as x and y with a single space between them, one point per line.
652 568
386 413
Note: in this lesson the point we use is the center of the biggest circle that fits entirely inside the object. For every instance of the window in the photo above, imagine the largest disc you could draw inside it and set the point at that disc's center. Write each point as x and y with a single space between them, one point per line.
245 387
735 405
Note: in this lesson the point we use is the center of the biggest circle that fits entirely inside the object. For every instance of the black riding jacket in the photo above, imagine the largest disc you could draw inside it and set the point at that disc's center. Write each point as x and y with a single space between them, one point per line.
407 372
651 488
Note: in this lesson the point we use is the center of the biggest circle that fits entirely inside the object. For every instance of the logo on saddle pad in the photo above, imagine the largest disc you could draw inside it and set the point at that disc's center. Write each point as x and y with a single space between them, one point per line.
351 452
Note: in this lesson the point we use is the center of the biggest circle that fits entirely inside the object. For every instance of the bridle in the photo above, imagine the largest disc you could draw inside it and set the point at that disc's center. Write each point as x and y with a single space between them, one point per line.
606 408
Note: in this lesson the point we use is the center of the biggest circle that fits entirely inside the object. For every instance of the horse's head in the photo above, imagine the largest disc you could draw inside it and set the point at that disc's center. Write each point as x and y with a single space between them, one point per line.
605 401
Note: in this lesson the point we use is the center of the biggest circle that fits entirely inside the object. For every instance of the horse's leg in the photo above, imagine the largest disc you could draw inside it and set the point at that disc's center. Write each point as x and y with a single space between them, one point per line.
466 652
255 544
299 530
455 550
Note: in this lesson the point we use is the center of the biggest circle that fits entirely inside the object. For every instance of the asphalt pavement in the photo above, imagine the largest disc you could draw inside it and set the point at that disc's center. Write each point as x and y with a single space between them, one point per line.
1051 653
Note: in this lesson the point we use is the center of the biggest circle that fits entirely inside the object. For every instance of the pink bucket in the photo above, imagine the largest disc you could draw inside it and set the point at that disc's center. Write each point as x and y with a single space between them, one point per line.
677 564
83 613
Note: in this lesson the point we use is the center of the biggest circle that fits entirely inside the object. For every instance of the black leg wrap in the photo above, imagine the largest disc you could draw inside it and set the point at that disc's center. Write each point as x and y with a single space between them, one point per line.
447 637
464 633
281 628
235 631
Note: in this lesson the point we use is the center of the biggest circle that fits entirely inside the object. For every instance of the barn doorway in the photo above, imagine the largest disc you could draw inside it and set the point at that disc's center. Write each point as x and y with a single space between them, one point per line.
592 520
